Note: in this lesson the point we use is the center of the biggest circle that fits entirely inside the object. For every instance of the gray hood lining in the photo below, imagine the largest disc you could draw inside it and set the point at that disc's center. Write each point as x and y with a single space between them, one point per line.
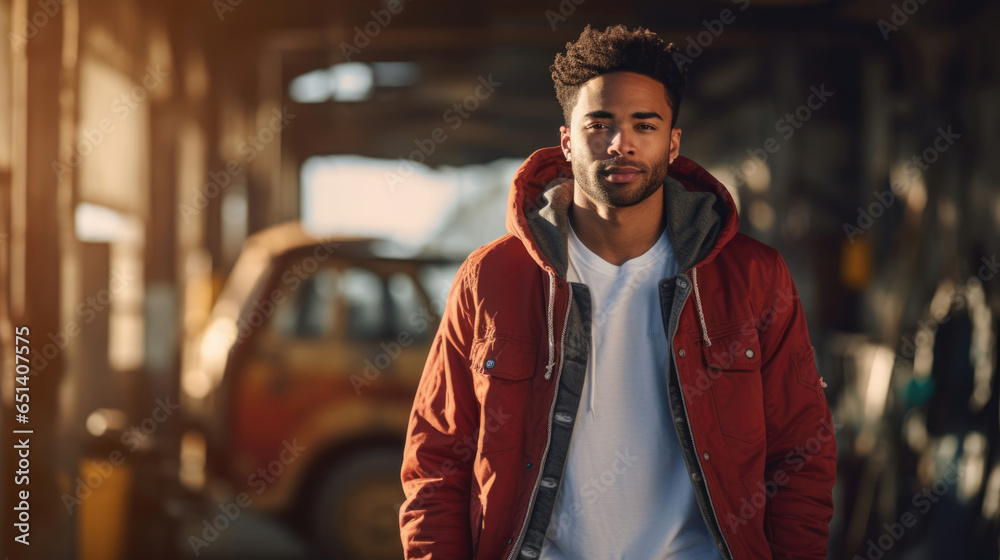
694 221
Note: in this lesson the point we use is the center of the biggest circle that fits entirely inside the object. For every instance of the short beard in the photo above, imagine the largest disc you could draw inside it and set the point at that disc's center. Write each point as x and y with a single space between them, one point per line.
597 188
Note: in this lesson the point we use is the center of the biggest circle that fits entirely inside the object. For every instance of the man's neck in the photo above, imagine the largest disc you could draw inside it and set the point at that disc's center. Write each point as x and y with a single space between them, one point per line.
617 234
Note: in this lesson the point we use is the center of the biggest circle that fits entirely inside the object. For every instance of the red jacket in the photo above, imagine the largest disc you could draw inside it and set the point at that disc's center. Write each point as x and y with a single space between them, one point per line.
493 414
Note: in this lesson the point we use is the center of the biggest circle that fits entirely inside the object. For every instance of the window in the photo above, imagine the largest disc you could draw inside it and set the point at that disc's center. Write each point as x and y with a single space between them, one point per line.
311 310
359 305
364 295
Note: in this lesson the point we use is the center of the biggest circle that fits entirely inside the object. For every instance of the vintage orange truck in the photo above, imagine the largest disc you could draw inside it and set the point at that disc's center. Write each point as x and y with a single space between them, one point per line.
303 379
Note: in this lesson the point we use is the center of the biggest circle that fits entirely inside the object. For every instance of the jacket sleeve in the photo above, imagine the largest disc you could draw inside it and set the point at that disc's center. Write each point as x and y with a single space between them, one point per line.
801 457
441 440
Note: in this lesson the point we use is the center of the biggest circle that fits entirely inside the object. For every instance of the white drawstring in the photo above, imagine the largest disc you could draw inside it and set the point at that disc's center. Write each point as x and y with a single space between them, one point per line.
593 384
701 314
552 340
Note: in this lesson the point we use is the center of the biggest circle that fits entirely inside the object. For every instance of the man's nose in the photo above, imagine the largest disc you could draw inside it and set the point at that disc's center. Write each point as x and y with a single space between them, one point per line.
621 144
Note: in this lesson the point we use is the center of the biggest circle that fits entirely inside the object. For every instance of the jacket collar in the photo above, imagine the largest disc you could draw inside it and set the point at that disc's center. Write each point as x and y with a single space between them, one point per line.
701 214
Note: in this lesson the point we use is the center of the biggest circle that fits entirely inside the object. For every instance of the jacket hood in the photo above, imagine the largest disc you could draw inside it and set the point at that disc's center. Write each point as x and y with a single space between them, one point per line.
701 219
701 215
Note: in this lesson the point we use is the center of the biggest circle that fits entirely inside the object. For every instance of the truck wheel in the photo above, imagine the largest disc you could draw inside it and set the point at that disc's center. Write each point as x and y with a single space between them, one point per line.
354 514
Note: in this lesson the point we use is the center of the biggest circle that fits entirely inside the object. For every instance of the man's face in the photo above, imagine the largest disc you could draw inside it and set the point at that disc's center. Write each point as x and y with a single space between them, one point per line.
619 140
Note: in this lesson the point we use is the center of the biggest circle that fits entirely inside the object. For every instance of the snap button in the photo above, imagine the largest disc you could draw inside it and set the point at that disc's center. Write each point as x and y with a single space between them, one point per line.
491 363
681 353
681 284
549 482
705 455
564 418
528 466
529 553
749 353
696 477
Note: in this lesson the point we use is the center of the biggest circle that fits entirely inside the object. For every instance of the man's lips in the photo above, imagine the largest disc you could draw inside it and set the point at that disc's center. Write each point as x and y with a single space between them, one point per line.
621 174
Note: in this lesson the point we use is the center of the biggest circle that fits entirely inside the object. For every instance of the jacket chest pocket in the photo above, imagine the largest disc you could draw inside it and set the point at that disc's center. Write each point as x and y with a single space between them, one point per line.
503 367
734 369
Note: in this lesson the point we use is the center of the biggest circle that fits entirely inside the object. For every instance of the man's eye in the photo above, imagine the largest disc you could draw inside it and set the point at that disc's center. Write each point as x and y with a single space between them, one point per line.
595 125
650 127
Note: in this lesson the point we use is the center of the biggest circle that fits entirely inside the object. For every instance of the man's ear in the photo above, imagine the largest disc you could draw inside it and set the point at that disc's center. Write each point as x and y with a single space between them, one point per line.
675 143
564 142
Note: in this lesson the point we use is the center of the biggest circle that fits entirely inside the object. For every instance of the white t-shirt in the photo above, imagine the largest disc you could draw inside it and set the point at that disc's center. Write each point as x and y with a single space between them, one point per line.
625 493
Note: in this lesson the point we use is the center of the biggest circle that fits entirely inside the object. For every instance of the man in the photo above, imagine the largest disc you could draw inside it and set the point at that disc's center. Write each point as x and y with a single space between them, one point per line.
624 283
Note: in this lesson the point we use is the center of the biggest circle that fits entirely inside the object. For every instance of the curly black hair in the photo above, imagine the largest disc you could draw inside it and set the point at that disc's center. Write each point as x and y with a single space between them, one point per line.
617 49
